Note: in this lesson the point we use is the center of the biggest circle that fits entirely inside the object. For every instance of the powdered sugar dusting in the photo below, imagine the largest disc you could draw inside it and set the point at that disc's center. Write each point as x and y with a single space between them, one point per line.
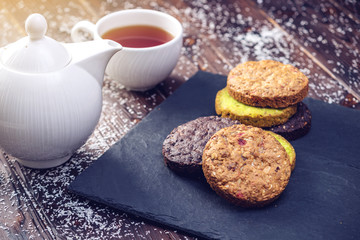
245 38
328 31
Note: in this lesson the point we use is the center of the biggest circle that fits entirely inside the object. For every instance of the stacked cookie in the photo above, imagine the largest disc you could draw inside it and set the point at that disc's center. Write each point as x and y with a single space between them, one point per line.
183 147
246 165
267 94
245 155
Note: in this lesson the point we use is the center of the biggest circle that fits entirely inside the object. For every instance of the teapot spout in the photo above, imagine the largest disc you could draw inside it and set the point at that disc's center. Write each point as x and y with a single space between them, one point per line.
93 56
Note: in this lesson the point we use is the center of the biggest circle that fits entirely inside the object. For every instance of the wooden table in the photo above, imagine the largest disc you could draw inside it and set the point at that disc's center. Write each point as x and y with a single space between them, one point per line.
320 37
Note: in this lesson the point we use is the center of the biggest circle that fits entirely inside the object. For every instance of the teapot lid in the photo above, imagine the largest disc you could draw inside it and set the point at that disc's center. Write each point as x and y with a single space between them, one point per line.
35 53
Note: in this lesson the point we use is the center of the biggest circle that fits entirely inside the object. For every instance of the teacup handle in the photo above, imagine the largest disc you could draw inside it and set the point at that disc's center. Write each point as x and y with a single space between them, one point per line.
77 32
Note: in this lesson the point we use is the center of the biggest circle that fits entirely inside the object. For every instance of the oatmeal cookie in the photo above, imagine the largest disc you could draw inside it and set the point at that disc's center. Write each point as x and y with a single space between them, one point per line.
246 165
288 148
267 83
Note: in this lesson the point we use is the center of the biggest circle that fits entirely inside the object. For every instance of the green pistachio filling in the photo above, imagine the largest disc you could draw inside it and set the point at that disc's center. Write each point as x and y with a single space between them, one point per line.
288 147
238 108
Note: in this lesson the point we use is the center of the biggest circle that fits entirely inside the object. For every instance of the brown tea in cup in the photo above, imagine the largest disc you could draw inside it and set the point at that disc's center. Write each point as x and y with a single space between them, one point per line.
138 36
139 67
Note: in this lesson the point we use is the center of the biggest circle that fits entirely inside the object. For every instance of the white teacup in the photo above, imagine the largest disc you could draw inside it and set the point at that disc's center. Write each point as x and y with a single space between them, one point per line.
137 69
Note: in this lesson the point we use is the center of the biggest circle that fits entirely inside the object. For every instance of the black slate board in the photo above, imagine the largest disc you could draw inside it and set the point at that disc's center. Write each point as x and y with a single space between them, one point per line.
321 201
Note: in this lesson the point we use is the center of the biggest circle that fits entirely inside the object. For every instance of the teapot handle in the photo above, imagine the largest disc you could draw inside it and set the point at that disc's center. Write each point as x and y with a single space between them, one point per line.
81 29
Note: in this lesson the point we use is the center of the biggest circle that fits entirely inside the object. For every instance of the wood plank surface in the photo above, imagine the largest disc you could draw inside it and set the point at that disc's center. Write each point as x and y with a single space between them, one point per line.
330 33
319 37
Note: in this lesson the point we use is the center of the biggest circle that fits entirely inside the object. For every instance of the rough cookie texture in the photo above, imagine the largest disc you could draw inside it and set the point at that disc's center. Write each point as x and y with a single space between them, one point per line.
246 165
297 126
267 83
288 148
183 147
227 106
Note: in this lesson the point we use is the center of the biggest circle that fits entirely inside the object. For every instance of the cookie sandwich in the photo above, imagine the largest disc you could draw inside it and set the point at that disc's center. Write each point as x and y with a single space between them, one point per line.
267 94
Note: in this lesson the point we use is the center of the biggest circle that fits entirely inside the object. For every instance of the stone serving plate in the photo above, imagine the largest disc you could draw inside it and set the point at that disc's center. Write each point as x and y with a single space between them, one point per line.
321 201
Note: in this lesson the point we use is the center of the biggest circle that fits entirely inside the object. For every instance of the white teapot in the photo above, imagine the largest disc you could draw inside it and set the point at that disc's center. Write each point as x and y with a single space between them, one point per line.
50 95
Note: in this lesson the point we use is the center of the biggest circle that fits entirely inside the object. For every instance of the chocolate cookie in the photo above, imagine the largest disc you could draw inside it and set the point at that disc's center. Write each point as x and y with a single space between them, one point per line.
227 106
183 147
246 165
297 126
267 83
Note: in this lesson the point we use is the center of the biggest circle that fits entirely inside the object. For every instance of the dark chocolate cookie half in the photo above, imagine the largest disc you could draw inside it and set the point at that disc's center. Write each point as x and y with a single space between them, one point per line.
183 147
297 126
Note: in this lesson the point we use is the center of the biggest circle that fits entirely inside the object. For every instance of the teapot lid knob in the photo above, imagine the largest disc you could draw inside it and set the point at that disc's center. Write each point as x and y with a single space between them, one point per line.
36 26
36 53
